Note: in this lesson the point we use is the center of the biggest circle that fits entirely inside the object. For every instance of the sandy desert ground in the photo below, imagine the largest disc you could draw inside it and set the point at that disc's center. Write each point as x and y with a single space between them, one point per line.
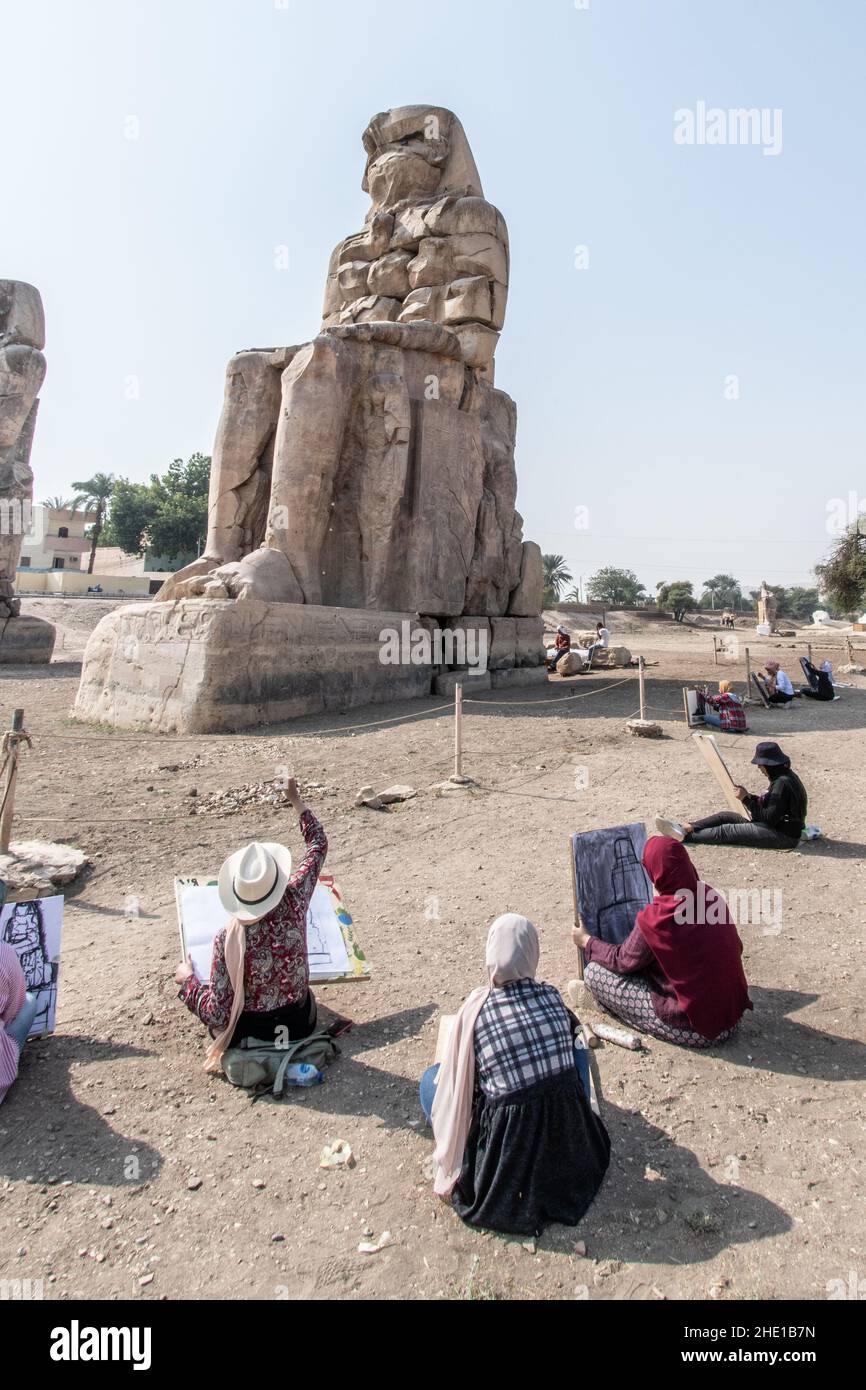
736 1174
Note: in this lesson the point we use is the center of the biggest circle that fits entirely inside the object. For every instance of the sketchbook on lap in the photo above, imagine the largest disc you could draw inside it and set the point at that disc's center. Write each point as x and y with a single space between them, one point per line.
333 952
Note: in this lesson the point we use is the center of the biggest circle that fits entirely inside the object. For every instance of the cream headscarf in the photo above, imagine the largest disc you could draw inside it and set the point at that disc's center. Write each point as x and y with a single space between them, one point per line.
512 954
234 949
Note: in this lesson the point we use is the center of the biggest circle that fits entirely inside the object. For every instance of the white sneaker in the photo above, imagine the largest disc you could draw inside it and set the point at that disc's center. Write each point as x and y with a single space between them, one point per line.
671 828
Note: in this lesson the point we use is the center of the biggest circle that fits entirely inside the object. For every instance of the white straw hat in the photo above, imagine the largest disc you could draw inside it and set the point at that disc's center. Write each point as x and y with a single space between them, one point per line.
252 881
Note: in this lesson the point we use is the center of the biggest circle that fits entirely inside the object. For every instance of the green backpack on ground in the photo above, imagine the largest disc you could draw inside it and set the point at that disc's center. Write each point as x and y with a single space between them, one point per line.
254 1064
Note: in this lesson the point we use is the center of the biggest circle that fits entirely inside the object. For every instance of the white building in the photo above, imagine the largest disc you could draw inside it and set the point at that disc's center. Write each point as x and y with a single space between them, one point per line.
55 540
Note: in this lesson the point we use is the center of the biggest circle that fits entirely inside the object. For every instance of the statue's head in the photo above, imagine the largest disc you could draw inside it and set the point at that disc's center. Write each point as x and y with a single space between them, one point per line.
417 152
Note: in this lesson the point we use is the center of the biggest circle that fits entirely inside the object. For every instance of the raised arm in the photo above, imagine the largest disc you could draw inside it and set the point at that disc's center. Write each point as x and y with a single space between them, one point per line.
305 877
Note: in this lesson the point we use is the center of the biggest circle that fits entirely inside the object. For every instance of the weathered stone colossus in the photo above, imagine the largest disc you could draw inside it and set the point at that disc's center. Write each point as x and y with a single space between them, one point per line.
374 467
362 481
22 371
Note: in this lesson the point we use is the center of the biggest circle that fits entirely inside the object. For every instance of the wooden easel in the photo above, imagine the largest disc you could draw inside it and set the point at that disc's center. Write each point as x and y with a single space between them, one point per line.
578 920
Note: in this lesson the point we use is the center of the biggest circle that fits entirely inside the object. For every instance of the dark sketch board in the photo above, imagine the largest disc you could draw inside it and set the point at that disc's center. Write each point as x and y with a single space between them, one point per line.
763 689
610 883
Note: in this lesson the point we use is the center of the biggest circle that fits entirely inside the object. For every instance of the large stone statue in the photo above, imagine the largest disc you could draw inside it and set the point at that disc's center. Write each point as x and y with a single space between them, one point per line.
363 481
374 467
22 371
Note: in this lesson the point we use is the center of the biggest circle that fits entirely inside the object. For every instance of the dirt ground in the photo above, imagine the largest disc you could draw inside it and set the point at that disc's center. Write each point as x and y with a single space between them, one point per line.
735 1174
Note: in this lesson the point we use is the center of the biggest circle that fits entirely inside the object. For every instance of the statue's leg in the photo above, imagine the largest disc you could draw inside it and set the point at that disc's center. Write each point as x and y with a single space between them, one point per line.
239 480
317 390
387 418
240 476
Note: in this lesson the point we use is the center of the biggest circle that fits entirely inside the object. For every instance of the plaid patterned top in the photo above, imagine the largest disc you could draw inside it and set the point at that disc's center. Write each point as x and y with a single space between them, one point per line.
522 1036
730 711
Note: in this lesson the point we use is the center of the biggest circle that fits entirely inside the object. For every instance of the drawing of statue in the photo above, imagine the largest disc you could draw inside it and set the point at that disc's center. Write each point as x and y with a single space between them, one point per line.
25 931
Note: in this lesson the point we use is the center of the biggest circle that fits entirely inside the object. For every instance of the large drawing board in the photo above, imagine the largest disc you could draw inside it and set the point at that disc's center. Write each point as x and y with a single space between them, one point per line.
33 930
610 883
708 749
763 689
693 707
333 952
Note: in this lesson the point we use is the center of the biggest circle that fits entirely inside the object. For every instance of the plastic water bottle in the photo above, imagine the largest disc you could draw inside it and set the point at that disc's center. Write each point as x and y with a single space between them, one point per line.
303 1074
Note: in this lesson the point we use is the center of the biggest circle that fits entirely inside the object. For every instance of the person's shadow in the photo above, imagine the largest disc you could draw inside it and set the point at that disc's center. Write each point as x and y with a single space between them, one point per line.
768 1040
658 1206
48 1132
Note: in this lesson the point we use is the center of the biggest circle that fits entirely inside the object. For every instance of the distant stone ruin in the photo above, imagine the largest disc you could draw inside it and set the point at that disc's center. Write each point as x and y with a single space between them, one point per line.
22 371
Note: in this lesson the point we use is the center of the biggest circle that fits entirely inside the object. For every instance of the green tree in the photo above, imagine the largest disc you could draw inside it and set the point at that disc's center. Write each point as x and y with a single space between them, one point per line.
168 515
842 575
132 510
616 588
722 591
94 495
800 602
556 576
678 597
62 504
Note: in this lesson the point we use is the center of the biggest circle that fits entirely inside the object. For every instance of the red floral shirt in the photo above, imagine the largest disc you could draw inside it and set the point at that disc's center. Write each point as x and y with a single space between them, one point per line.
276 970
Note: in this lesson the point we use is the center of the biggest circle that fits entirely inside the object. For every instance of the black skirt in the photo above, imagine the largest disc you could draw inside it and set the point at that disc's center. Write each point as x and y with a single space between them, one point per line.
535 1156
298 1020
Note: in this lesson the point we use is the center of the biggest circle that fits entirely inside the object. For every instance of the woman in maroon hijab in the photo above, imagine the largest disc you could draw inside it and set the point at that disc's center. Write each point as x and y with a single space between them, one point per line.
679 974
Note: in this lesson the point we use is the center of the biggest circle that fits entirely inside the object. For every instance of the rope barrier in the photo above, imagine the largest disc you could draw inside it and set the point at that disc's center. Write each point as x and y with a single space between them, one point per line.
563 700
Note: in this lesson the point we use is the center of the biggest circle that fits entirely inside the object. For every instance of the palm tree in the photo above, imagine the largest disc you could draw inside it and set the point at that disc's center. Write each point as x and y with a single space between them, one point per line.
61 504
556 574
94 496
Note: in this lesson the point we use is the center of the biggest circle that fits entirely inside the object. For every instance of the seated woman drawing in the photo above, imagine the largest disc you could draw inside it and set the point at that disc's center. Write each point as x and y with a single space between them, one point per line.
17 1010
517 1142
725 711
679 975
260 979
778 816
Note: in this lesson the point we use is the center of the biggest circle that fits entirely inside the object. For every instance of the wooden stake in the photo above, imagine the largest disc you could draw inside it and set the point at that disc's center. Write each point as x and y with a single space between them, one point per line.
11 779
642 678
458 779
748 700
715 652
810 653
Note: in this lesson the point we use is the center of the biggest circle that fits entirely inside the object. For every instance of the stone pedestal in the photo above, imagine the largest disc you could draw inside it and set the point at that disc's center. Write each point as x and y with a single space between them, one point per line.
26 640
205 666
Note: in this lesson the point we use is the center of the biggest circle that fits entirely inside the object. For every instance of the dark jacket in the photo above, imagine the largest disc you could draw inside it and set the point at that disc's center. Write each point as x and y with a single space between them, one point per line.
783 807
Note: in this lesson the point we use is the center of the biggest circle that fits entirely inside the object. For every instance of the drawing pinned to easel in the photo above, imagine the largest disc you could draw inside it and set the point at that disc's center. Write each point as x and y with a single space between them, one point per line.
333 952
609 880
34 929
693 701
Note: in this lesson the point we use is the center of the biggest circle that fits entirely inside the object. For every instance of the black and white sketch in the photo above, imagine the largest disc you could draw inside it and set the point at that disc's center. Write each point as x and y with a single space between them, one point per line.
610 883
33 930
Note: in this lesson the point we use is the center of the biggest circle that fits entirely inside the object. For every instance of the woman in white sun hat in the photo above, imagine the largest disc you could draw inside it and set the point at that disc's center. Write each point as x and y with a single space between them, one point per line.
260 977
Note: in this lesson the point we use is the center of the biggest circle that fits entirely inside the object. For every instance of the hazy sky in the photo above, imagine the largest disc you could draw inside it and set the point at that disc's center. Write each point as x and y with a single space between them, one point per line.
156 153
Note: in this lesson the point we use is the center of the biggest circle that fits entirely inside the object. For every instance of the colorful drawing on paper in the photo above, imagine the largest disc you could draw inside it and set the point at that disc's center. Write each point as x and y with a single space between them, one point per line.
332 948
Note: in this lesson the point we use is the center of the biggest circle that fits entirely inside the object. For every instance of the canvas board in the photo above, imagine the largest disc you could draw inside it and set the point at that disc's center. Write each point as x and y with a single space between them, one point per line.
33 929
333 952
692 702
763 689
610 883
709 751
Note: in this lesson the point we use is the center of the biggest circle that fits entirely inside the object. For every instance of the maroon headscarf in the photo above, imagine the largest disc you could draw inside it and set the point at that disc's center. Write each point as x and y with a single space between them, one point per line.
699 950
